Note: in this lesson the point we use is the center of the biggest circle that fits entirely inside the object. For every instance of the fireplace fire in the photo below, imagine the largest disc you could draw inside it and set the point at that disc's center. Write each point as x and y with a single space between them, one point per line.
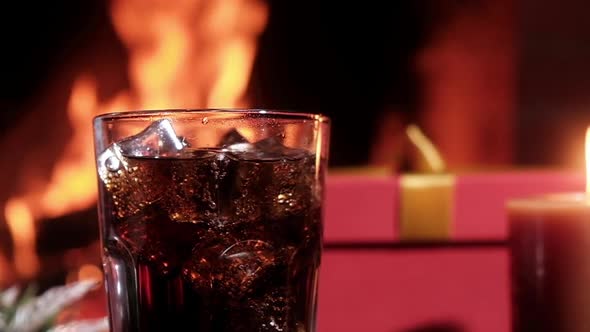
196 53
181 54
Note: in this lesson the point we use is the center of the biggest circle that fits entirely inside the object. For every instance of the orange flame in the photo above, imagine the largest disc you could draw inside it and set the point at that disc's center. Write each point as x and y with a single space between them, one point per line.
185 53
182 54
21 225
71 186
189 53
588 161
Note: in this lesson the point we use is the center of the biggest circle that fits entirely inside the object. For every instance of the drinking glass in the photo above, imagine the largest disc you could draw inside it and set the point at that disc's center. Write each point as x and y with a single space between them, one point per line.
211 220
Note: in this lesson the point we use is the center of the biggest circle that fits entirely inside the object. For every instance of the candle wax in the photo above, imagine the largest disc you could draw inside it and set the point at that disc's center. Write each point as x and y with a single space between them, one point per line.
550 263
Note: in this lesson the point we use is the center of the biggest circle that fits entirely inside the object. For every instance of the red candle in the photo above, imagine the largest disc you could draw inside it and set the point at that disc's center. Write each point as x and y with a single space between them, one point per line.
550 262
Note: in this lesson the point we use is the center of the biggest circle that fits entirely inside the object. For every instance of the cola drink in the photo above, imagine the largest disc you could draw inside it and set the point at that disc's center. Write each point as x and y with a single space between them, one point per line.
215 239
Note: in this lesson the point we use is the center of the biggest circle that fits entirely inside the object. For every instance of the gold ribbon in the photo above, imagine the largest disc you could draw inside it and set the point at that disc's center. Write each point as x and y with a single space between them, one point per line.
426 197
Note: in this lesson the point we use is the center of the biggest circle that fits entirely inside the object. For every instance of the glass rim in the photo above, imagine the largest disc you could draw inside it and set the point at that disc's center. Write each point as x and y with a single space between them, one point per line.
254 113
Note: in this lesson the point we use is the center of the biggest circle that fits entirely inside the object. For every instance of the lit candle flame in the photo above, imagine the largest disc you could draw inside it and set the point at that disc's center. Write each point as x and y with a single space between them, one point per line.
588 161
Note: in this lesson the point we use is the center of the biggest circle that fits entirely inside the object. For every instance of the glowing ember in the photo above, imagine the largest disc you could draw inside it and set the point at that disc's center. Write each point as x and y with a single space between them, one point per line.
182 54
21 225
90 272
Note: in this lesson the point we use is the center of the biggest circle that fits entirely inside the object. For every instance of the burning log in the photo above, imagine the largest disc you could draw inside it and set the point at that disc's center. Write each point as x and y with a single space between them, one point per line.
66 246
73 230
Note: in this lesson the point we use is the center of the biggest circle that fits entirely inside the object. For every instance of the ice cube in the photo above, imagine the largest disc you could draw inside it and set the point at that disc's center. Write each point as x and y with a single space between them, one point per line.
245 194
271 148
271 180
233 143
193 191
199 271
143 239
134 185
267 174
245 265
233 270
291 187
156 241
157 140
268 313
232 137
273 195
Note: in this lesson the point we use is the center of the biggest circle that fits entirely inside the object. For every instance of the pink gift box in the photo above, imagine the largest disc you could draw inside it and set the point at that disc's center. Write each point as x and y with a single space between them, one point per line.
398 290
366 208
370 281
480 199
360 209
